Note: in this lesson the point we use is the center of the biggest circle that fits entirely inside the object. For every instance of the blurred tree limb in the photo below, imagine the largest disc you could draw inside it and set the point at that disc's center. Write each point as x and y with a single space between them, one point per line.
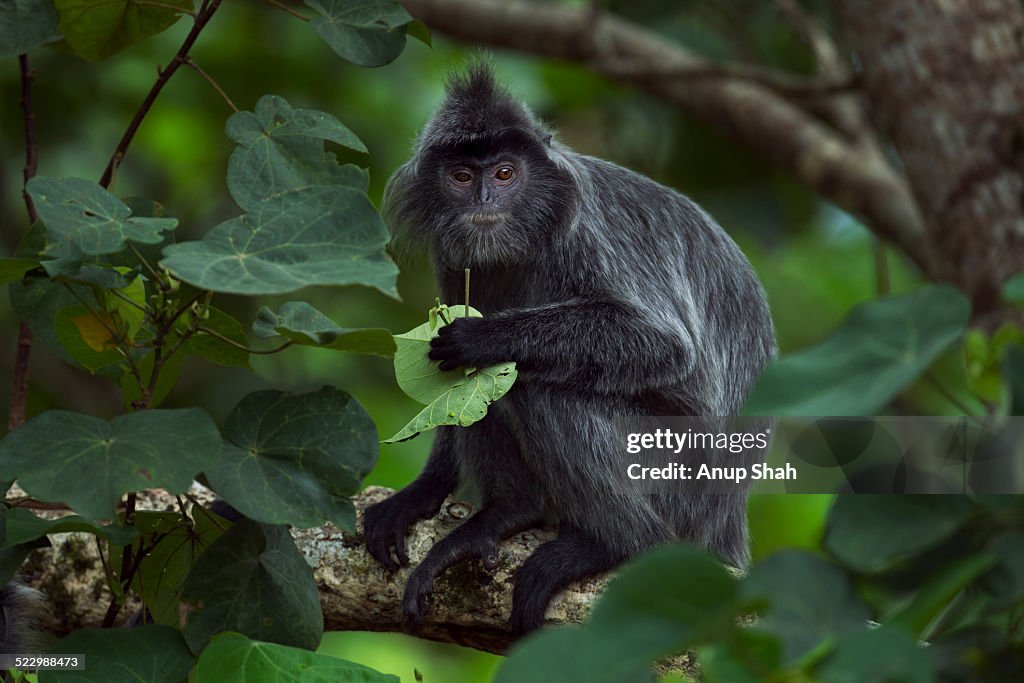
823 130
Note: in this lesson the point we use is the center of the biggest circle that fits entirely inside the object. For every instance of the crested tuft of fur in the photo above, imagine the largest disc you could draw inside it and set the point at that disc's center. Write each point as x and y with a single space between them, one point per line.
476 107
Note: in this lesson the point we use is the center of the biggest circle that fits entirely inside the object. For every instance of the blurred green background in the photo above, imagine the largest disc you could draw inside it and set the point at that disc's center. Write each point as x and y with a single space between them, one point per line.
815 261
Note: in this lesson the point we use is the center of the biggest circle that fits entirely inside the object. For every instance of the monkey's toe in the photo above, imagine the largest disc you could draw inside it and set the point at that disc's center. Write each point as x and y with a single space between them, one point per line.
414 602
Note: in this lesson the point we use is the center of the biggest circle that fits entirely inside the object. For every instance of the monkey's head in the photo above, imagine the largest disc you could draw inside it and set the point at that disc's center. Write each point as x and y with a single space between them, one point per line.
486 184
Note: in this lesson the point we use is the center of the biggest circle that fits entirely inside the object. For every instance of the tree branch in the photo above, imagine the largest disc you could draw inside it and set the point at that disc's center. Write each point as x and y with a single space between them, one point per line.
23 355
202 17
470 606
858 180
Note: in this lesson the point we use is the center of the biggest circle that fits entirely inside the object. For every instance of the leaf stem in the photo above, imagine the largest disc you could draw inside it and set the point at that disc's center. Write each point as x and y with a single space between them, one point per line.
467 294
209 79
145 264
232 342
128 300
289 10
206 11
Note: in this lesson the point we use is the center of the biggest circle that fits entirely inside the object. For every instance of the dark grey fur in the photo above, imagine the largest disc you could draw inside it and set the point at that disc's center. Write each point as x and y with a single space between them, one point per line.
615 296
22 610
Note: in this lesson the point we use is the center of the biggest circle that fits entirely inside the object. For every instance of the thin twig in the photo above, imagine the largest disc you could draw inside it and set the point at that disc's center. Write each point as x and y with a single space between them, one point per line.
23 354
232 342
129 300
209 79
203 16
289 10
145 264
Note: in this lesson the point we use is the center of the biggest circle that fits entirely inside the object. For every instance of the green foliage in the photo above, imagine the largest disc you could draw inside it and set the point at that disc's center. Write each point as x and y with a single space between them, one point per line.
632 625
815 615
253 580
1013 290
53 454
24 24
291 459
23 526
83 218
12 269
880 348
300 323
233 658
308 220
148 654
168 546
365 32
97 29
862 529
453 397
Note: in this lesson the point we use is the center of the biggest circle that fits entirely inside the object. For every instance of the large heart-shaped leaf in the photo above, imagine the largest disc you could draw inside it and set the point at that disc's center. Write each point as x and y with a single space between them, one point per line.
301 323
364 32
143 654
25 24
233 658
881 347
89 463
633 625
870 533
327 235
23 526
253 580
808 600
89 218
281 148
295 459
97 29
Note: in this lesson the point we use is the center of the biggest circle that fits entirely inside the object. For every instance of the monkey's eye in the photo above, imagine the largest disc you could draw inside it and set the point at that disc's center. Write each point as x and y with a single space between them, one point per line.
462 177
505 173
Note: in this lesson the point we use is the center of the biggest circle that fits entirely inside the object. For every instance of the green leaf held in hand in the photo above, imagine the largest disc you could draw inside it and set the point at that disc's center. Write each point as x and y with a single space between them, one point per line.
454 397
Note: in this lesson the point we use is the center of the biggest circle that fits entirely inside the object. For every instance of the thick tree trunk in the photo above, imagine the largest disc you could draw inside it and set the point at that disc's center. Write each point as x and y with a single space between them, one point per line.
945 79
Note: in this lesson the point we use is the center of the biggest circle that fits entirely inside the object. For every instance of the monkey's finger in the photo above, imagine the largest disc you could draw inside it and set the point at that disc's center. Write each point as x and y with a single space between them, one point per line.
489 558
400 551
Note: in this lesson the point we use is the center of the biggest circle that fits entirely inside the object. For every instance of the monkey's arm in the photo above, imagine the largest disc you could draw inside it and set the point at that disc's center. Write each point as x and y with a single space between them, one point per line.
386 523
605 342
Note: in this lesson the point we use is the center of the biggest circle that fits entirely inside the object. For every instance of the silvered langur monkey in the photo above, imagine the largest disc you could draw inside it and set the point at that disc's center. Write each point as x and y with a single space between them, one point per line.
614 295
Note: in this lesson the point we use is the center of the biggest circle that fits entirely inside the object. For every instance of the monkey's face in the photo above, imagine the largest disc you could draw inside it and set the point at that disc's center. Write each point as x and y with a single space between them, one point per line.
482 200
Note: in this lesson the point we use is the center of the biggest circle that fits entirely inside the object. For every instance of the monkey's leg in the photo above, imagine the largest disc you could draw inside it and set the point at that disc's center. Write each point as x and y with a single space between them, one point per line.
477 538
573 556
385 524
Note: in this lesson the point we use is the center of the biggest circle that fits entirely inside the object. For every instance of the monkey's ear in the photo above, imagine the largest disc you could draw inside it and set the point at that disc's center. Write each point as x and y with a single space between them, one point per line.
547 139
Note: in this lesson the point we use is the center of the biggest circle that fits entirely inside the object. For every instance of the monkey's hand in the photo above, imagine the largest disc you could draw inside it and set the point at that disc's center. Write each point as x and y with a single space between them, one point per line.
386 523
466 342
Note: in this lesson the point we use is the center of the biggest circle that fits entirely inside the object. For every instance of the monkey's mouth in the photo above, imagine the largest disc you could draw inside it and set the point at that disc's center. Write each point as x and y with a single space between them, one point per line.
482 218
